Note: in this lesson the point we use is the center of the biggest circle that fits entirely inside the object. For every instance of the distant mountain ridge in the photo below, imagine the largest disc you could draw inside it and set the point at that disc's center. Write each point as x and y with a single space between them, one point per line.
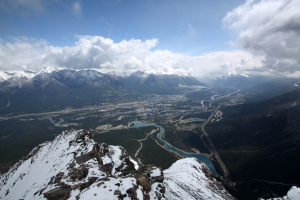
263 87
51 90
15 80
160 83
235 80
92 78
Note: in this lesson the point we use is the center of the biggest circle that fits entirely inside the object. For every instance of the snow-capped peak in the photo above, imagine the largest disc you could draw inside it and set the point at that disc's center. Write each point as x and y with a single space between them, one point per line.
118 73
4 76
190 179
48 70
141 74
146 73
73 166
16 74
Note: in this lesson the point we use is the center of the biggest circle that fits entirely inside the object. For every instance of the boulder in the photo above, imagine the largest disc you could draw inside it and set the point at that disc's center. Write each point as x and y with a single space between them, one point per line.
144 181
60 193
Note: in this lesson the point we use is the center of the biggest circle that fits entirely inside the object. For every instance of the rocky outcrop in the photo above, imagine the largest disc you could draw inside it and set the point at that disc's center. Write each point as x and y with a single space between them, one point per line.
61 193
78 173
144 181
75 167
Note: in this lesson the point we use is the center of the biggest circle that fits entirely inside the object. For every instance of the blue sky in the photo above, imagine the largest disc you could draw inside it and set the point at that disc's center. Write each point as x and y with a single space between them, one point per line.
190 26
226 36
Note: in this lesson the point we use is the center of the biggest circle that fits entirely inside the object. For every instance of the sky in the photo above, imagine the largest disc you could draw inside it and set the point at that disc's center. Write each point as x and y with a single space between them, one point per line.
198 37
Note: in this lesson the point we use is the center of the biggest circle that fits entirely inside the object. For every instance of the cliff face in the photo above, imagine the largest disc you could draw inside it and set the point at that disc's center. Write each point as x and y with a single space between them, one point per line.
74 166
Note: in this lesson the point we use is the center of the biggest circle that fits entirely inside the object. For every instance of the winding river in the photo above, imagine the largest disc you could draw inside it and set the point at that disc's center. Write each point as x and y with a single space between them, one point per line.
200 157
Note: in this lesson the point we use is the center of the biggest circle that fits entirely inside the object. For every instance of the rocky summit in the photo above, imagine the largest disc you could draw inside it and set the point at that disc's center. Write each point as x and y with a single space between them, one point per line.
74 166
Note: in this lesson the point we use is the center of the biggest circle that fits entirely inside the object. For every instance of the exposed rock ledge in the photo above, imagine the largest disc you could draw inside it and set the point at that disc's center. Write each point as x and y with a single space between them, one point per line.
73 166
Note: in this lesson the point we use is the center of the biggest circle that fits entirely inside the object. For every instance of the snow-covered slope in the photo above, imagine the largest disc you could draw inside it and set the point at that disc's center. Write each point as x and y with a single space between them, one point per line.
13 74
151 83
190 179
293 194
14 79
74 166
86 78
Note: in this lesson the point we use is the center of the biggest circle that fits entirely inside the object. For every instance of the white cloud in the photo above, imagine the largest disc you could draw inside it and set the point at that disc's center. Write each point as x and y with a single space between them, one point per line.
24 54
76 9
99 53
270 28
95 52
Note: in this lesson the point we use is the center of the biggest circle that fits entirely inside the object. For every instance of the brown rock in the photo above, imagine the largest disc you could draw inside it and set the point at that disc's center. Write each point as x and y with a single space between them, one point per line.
72 164
78 173
122 196
117 192
90 155
57 178
144 181
70 180
132 193
60 193
159 179
158 195
107 168
146 197
99 184
88 184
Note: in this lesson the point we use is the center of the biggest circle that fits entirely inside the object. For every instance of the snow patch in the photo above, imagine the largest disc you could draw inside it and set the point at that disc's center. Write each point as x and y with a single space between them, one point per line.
189 179
293 194
136 165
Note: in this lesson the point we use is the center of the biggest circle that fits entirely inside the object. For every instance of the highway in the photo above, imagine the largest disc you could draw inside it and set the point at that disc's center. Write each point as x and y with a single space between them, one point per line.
212 147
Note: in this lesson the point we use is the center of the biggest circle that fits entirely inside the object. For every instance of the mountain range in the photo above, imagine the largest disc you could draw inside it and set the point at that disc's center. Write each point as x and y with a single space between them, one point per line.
58 89
92 78
263 87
